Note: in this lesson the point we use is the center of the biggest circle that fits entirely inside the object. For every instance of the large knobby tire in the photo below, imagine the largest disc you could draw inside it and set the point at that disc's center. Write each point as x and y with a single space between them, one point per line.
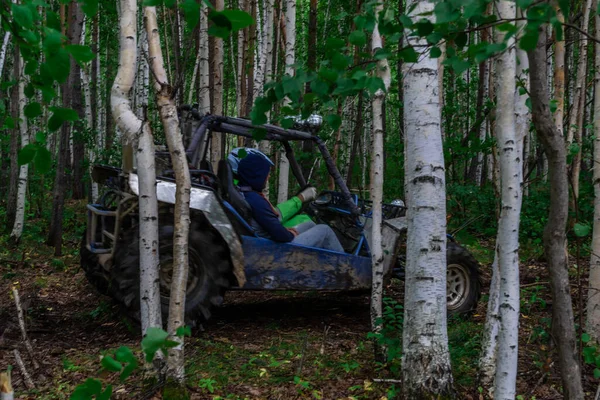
208 275
94 272
463 280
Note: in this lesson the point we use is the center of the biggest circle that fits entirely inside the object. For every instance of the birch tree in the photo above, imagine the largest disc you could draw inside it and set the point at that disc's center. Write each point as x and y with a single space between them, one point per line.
217 107
425 359
204 88
17 230
290 59
593 300
509 150
383 72
3 50
563 324
575 129
138 134
170 121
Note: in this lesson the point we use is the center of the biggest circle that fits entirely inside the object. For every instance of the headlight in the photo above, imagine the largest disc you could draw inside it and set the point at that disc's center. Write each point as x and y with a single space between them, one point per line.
323 199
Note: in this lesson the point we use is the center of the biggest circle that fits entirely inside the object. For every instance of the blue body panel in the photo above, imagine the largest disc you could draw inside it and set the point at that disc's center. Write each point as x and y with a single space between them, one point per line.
286 266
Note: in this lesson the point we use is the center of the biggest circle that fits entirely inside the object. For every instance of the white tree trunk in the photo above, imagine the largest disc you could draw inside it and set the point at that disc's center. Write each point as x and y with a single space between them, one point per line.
204 94
425 360
131 126
593 301
240 65
522 114
509 151
170 122
383 72
3 50
17 230
559 74
218 58
489 356
89 120
290 59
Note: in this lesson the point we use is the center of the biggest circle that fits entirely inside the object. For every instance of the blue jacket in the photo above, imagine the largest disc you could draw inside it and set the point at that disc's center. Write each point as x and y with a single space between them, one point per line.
253 171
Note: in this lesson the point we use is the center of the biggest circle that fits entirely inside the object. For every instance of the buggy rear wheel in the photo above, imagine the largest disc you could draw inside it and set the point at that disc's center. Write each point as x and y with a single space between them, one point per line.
463 280
208 273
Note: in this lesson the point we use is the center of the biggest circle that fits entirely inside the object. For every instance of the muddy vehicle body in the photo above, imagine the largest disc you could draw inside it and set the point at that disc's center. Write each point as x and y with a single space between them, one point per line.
224 252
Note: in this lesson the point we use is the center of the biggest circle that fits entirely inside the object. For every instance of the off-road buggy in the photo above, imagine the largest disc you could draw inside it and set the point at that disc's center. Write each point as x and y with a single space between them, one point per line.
224 251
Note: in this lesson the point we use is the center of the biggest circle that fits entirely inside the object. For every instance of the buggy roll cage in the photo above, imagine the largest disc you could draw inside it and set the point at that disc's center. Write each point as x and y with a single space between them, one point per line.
200 139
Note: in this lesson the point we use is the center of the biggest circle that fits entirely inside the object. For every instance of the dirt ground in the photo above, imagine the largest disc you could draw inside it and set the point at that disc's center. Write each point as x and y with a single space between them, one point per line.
259 345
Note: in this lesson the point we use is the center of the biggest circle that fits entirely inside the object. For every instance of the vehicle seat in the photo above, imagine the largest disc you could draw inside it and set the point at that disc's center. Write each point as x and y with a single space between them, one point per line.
230 193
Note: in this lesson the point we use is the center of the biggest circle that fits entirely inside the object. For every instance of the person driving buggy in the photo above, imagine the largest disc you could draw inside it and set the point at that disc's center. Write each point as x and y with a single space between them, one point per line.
289 211
253 173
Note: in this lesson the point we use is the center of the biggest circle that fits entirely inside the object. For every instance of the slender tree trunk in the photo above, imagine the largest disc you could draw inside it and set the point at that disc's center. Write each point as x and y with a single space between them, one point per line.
13 180
138 134
576 115
510 144
17 230
593 300
204 92
383 72
89 115
563 324
559 73
290 59
425 360
75 34
216 151
168 113
3 50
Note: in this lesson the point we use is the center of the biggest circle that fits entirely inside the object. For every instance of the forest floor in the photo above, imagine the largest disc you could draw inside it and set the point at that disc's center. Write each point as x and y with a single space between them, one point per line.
259 345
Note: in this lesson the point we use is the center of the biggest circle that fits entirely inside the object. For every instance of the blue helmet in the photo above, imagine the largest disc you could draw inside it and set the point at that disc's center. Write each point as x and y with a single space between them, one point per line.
234 157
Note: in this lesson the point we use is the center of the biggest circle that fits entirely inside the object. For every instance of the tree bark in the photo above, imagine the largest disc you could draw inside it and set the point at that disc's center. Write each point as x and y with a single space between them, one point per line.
425 360
77 132
3 50
575 130
378 109
17 230
170 121
204 92
593 300
563 325
509 152
216 151
290 59
13 180
132 126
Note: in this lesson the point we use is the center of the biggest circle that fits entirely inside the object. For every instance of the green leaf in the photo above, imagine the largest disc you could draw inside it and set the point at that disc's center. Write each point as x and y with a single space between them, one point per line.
319 87
191 12
445 13
58 66
40 137
523 4
529 39
89 389
81 54
333 43
424 27
581 230
461 40
26 154
59 116
22 15
155 339
33 110
339 61
596 373
152 3
183 331
125 355
9 123
335 121
89 7
259 134
111 364
586 337
435 52
409 55
528 103
358 38
219 31
238 19
522 91
42 160
553 105
374 83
